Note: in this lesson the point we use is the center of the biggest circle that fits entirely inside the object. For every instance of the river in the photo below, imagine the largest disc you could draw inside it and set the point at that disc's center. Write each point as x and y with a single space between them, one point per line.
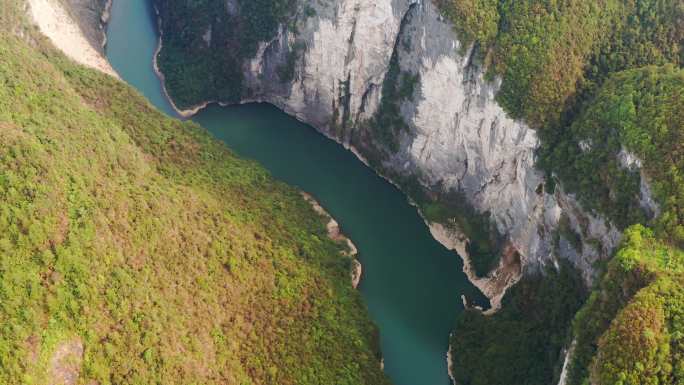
411 284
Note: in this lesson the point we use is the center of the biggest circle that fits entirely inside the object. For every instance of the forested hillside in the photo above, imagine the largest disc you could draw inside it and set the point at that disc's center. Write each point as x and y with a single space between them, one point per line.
550 54
639 113
602 83
136 249
631 330
554 59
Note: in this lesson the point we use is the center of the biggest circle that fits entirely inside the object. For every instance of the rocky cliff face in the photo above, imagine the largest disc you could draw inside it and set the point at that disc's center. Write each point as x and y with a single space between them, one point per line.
76 27
455 136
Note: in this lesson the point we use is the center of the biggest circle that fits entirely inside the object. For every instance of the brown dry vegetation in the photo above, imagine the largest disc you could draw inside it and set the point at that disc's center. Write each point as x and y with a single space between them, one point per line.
171 260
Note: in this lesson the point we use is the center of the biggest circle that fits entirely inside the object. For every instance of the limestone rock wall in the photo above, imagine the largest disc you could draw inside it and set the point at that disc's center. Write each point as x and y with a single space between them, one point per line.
458 137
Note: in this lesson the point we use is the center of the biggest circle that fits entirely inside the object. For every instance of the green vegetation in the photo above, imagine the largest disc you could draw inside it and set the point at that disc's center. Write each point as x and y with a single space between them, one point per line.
642 112
599 80
548 53
476 21
539 48
286 71
631 330
388 124
566 231
522 343
196 70
561 66
644 344
170 259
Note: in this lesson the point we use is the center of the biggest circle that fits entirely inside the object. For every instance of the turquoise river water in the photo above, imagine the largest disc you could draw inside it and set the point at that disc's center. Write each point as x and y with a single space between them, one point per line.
411 284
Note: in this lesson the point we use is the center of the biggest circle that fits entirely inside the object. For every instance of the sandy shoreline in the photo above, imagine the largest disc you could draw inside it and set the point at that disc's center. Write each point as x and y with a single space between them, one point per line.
336 235
55 23
450 364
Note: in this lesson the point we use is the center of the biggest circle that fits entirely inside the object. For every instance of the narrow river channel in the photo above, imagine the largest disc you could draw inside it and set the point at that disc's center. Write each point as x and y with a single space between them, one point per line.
411 284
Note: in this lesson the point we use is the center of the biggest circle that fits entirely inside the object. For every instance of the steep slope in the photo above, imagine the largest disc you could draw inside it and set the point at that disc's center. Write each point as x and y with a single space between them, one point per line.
637 112
53 18
391 80
505 121
136 249
92 17
630 331
553 60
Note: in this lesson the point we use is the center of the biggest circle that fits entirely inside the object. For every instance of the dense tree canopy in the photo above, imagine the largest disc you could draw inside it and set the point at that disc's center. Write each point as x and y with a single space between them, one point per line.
205 44
631 330
602 83
150 245
550 52
638 112
521 343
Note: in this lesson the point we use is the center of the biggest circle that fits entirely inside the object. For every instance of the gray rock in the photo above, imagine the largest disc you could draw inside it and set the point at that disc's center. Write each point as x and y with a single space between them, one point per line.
458 137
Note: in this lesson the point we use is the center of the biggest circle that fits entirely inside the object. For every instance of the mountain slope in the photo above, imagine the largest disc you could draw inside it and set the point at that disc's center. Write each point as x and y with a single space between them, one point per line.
136 249
530 133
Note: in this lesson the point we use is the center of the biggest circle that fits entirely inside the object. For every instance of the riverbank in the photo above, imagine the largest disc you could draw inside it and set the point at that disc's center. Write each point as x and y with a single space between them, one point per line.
54 21
494 286
185 114
450 364
336 235
497 282
411 284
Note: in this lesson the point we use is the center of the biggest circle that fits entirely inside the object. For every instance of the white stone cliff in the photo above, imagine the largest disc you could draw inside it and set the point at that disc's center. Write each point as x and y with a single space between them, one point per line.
459 138
56 22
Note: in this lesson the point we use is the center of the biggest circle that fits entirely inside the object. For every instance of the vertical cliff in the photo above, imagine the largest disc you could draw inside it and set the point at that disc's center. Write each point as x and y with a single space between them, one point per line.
413 102
76 27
